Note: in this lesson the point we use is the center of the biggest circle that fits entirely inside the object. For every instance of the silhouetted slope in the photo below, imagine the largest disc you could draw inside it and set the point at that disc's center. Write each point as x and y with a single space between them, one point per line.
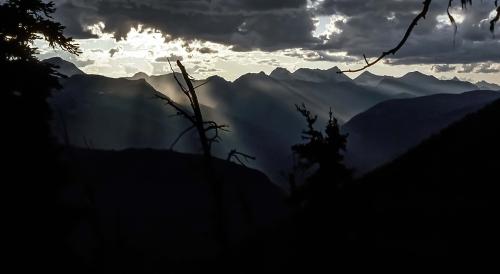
418 84
153 209
369 79
64 67
318 75
391 128
487 86
108 113
261 111
281 74
438 199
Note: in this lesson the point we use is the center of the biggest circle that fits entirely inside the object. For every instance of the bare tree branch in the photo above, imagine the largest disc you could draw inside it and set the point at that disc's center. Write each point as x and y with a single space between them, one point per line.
180 136
415 22
202 84
452 21
181 86
495 19
180 111
234 154
393 51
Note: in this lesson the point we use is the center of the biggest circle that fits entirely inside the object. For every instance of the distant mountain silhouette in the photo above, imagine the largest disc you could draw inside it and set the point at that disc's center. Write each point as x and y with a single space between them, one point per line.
487 86
369 79
415 84
281 74
261 113
438 200
65 67
391 128
153 209
105 113
318 75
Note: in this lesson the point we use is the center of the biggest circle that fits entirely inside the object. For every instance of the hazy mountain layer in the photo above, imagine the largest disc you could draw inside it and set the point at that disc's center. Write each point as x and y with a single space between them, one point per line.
104 113
391 128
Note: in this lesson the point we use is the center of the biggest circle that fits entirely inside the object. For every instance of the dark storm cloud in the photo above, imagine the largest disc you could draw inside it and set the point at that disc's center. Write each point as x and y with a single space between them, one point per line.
245 24
370 26
374 26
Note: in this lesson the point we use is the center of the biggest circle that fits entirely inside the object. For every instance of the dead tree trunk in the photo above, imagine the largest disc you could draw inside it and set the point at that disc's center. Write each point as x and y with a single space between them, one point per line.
203 127
198 117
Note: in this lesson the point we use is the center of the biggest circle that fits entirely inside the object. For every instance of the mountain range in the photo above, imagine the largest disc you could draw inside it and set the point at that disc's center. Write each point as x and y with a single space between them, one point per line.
105 113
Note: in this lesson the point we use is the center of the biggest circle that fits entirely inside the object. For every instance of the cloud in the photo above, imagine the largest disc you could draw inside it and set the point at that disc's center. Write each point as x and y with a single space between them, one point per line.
468 68
113 51
172 57
488 68
270 62
355 27
443 68
207 50
83 63
480 68
373 26
309 55
245 24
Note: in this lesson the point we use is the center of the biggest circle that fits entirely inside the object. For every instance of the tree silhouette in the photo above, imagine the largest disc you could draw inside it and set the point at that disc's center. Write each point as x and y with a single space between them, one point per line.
33 175
322 152
208 134
195 115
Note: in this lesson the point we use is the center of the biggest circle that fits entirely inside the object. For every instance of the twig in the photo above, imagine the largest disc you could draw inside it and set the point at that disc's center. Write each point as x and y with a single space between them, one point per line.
180 136
234 154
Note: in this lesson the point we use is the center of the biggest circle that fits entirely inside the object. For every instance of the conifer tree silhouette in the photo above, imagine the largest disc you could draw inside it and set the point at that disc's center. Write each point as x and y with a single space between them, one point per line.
321 152
33 174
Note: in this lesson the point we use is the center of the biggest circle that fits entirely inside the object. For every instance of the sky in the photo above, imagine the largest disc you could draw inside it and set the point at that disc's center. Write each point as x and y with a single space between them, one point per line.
232 37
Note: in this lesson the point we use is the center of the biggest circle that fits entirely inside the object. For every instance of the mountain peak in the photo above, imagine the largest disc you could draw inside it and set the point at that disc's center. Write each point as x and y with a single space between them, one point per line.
140 75
487 86
281 74
368 78
417 75
318 75
334 69
366 73
64 67
280 70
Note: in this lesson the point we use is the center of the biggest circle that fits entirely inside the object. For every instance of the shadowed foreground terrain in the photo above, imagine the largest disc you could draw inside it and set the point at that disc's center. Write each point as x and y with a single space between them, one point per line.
149 211
144 210
436 202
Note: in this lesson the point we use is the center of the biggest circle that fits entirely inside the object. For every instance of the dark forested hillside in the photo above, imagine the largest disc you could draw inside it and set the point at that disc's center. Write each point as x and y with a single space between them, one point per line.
152 209
435 202
438 199
389 129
